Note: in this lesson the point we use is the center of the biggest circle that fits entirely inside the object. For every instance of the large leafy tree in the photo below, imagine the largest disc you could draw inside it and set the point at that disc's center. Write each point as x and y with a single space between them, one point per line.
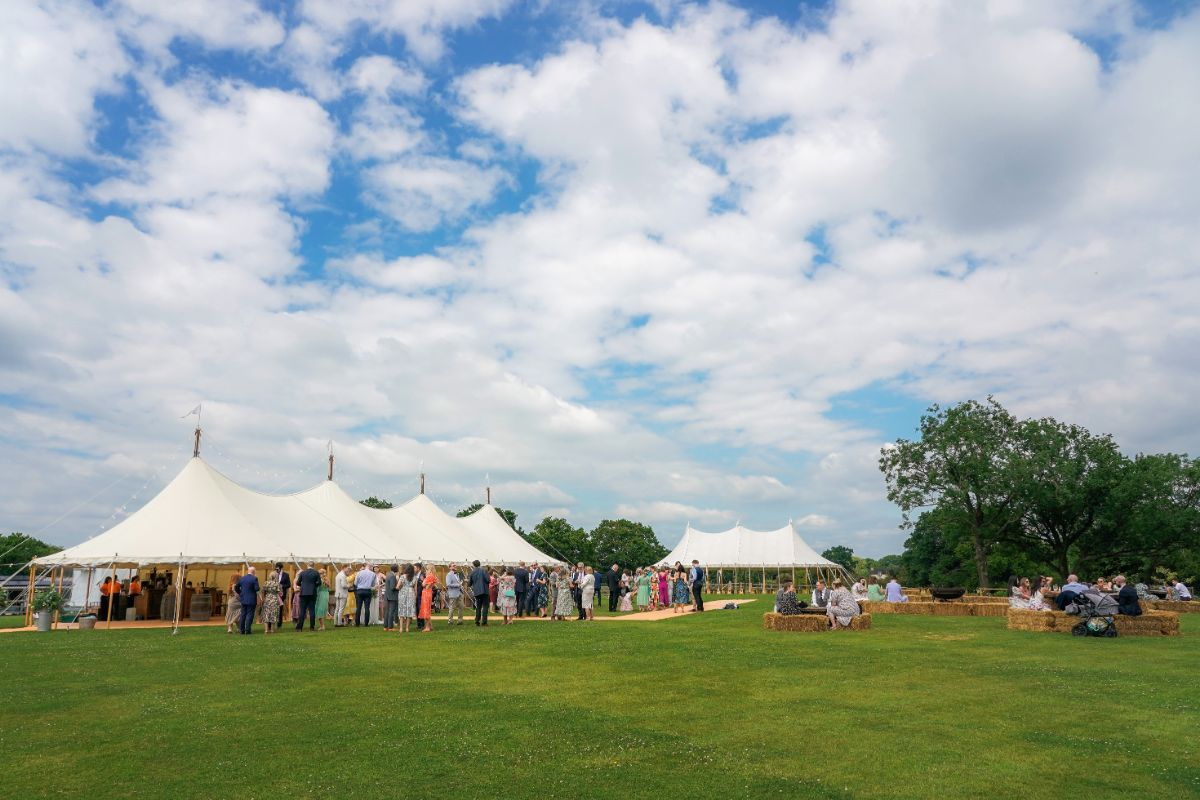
961 462
17 549
559 538
840 554
1065 483
630 544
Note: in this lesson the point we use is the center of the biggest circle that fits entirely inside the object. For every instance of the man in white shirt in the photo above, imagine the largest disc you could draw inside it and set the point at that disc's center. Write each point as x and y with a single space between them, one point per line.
364 586
820 595
341 594
1182 592
894 592
454 598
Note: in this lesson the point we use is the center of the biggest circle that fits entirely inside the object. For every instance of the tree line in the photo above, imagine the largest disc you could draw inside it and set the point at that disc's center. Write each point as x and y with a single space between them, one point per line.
987 494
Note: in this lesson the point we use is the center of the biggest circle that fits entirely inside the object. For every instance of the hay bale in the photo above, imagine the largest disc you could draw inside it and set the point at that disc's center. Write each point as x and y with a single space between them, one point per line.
1022 619
912 608
809 623
879 607
989 609
949 609
1178 606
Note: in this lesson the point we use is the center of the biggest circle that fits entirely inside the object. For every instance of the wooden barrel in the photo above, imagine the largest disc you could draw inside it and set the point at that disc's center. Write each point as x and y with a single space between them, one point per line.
201 610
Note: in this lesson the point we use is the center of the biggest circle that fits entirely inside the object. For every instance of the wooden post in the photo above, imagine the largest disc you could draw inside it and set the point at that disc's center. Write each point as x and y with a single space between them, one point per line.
179 592
330 466
108 622
58 611
88 593
29 593
196 447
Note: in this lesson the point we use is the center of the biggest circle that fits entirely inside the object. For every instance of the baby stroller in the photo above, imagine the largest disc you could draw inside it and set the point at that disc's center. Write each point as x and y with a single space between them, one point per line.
1096 611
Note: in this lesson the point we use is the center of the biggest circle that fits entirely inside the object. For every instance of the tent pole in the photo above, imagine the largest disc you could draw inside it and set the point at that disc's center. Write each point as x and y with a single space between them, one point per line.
58 611
108 621
178 595
29 592
87 595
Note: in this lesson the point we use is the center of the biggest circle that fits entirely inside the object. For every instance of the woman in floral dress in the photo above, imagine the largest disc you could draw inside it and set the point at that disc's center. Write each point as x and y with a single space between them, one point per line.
564 604
271 602
407 599
680 595
842 608
626 593
543 595
233 605
506 595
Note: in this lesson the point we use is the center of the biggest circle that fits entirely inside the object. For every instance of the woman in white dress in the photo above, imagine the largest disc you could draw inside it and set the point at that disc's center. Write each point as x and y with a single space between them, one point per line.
376 618
859 590
588 592
626 593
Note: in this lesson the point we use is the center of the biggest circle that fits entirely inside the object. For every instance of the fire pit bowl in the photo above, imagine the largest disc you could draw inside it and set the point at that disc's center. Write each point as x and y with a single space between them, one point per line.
947 592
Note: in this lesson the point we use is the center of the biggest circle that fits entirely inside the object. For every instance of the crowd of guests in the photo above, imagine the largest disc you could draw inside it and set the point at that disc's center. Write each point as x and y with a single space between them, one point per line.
405 597
1128 596
839 603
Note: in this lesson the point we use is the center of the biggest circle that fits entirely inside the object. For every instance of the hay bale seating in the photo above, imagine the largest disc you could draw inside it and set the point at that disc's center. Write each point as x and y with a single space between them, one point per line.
939 609
1150 623
809 623
1178 606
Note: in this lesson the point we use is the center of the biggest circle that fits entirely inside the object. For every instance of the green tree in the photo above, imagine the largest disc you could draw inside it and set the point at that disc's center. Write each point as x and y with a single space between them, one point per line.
17 550
939 552
509 516
375 502
1064 487
962 463
840 554
630 544
559 538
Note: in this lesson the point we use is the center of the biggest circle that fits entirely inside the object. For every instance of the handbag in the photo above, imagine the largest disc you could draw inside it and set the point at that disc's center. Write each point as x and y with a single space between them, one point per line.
510 592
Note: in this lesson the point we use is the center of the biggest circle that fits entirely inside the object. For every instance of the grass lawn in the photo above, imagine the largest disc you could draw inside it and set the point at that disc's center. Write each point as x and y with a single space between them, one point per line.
704 706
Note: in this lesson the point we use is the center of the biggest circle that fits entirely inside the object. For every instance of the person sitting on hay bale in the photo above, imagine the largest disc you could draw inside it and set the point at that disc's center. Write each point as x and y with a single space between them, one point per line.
786 602
894 592
1127 598
874 590
859 590
1070 589
842 608
1182 592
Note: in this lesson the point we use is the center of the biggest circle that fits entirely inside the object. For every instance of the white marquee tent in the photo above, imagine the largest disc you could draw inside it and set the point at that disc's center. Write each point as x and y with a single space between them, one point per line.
203 518
742 548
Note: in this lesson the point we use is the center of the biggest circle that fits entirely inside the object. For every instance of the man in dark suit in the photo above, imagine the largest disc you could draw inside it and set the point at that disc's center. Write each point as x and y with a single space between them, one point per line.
613 579
285 586
247 591
306 583
478 581
1127 599
533 588
696 576
391 597
521 576
576 591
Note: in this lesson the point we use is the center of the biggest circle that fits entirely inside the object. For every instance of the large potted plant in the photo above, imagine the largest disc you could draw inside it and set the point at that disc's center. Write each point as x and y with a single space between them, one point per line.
45 603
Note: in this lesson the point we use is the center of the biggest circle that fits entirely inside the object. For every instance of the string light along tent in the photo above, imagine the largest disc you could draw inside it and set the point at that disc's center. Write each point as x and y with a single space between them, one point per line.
742 548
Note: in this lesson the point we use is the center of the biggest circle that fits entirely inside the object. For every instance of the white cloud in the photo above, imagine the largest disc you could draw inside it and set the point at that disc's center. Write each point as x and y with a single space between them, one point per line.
55 58
425 191
674 515
220 24
229 139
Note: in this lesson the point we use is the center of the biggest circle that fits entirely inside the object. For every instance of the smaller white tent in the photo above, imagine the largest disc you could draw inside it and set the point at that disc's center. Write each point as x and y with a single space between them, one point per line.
743 548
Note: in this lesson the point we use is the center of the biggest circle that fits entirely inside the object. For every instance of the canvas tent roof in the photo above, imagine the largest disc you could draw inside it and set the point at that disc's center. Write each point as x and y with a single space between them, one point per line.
203 517
742 547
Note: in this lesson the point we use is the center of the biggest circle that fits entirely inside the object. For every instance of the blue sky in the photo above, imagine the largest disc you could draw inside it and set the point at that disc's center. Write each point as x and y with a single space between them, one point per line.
673 261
